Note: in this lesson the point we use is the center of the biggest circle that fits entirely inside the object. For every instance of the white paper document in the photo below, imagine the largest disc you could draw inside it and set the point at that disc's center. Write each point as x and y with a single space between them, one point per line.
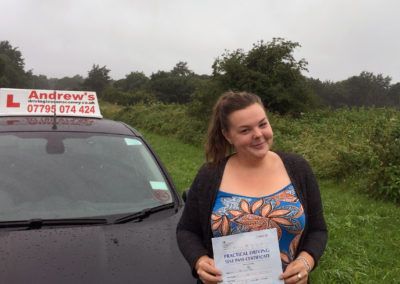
251 257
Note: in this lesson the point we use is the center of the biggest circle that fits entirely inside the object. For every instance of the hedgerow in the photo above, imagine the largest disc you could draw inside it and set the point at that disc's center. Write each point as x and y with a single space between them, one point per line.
347 143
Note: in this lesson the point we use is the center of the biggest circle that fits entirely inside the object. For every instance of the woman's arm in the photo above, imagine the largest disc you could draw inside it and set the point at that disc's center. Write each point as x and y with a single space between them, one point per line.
317 234
189 231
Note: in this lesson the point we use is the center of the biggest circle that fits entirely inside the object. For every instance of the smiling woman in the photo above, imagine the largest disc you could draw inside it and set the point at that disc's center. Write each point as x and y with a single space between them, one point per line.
247 187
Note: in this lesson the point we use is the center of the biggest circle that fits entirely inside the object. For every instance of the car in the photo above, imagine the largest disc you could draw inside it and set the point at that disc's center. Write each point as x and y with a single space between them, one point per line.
83 199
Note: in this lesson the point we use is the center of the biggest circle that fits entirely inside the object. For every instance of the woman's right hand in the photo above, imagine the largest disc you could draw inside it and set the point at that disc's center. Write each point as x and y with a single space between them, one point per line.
206 270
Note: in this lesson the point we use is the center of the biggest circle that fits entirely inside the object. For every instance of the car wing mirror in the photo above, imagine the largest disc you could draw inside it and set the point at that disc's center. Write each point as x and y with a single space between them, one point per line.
185 194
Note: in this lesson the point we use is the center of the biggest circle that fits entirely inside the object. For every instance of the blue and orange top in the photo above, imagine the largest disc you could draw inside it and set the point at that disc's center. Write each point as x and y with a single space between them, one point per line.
234 214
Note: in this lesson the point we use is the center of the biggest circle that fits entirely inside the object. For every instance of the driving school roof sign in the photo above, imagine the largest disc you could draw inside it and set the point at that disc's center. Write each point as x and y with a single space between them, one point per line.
32 102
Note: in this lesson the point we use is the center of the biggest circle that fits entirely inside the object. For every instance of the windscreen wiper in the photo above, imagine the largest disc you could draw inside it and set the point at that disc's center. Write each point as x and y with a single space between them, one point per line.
33 224
140 215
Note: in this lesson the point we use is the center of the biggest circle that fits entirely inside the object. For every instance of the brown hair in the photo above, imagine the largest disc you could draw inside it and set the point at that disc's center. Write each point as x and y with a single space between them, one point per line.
217 147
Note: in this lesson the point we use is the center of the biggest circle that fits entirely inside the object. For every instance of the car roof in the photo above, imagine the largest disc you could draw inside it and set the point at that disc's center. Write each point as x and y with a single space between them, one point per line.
70 124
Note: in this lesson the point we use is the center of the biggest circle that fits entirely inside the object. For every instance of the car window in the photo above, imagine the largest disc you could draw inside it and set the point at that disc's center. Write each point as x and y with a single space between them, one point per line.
69 175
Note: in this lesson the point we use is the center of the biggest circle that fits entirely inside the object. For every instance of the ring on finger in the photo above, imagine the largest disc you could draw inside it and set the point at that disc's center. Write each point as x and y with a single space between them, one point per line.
299 276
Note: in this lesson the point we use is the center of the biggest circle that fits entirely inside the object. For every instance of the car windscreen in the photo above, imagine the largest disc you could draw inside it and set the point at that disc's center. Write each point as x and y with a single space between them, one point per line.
51 175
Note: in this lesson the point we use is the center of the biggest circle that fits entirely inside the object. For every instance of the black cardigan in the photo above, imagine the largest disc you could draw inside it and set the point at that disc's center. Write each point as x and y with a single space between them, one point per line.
194 228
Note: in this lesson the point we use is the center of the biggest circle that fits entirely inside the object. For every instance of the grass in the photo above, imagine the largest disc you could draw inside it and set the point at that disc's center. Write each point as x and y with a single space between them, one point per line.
364 238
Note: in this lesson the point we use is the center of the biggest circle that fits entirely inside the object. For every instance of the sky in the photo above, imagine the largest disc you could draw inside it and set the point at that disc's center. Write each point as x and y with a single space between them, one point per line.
338 38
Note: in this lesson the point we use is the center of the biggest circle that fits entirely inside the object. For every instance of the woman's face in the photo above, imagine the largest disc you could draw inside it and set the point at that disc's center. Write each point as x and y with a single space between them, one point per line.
250 132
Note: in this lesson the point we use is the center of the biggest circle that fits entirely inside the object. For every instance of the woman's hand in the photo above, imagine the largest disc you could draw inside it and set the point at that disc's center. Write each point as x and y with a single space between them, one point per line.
206 270
297 271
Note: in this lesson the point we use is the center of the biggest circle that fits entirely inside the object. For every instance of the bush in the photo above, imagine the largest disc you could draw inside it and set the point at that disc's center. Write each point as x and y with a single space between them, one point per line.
384 179
119 97
165 119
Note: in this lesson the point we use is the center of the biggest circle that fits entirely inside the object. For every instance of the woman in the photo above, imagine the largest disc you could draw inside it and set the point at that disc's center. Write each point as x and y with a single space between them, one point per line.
252 189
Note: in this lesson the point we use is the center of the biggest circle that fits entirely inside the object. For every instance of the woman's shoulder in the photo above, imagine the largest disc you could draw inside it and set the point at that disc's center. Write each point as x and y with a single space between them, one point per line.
212 167
292 159
209 171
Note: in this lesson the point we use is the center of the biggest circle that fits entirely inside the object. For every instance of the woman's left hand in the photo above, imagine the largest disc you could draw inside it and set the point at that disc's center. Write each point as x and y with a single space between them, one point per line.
297 271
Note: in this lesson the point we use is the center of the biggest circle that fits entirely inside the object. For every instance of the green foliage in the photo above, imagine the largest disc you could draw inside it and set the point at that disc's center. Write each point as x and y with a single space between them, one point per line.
270 71
133 82
68 83
206 94
384 180
394 95
40 82
97 80
170 120
117 96
366 89
175 86
12 73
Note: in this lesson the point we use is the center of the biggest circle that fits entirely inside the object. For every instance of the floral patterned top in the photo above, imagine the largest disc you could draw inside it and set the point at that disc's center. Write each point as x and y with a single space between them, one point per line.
233 214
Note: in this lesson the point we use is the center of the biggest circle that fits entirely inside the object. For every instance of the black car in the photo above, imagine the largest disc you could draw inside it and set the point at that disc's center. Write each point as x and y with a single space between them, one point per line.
85 200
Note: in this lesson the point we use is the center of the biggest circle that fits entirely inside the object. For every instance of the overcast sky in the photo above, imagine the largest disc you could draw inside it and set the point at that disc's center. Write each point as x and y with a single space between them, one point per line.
339 38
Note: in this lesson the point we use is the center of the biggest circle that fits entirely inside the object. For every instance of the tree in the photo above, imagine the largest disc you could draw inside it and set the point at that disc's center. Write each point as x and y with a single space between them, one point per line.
133 82
39 82
270 71
98 79
69 83
367 89
394 95
181 69
175 86
12 73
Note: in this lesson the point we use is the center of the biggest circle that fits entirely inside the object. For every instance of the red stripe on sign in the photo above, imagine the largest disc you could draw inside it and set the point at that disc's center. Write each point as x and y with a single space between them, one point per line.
10 101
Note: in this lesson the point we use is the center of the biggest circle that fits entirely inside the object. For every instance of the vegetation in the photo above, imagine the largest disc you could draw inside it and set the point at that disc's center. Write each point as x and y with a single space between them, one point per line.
268 69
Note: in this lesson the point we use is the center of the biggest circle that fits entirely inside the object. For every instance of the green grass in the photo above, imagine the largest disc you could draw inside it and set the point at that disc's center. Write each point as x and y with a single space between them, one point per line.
364 238
182 160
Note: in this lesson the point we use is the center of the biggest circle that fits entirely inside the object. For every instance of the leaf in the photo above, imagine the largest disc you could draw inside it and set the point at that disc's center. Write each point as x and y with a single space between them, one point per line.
225 229
216 224
279 213
244 205
283 221
235 213
257 205
266 209
215 217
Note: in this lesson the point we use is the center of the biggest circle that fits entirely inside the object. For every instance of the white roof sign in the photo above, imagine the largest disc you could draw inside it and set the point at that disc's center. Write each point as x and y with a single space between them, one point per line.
33 102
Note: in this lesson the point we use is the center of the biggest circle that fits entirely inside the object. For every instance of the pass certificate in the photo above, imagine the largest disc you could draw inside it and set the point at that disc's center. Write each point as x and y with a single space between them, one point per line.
251 257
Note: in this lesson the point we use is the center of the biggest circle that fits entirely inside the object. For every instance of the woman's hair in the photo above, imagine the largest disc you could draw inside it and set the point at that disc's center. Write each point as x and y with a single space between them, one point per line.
217 147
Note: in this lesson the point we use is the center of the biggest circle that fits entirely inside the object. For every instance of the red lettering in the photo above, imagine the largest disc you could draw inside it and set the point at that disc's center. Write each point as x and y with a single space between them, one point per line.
77 97
91 97
10 101
67 97
33 95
